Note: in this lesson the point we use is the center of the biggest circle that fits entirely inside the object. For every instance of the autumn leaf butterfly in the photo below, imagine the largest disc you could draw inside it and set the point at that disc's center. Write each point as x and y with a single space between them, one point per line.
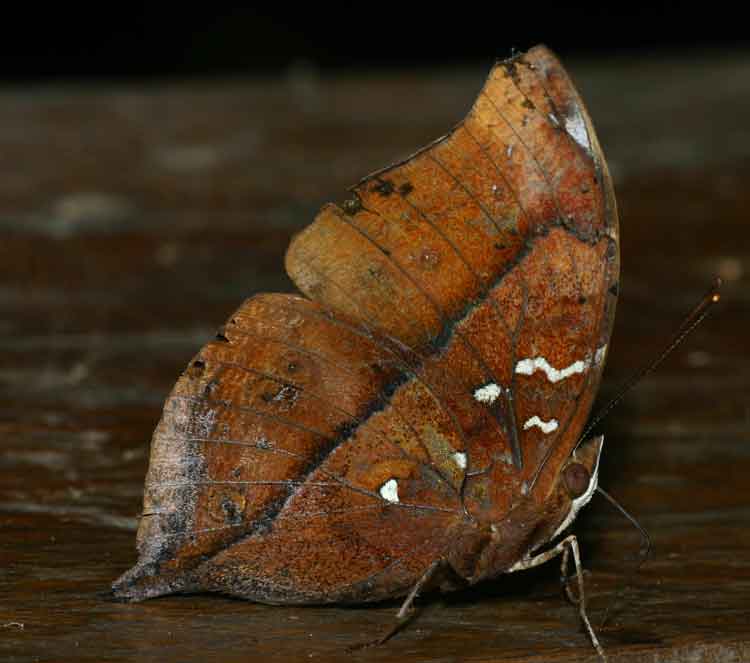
414 415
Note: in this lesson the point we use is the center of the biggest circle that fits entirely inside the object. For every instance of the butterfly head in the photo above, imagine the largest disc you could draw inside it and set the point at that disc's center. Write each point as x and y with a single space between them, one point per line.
531 524
578 479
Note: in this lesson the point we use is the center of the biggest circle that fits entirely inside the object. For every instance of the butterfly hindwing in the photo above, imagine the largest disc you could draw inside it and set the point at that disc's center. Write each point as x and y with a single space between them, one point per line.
261 449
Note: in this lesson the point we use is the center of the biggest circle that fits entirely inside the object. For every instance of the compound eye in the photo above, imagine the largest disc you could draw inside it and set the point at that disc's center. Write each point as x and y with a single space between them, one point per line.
577 479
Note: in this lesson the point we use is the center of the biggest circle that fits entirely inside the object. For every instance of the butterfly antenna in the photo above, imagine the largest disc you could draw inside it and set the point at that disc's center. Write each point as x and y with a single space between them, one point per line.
693 319
643 553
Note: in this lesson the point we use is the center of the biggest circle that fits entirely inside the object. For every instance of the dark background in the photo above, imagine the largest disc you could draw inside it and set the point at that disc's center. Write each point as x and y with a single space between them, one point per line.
38 42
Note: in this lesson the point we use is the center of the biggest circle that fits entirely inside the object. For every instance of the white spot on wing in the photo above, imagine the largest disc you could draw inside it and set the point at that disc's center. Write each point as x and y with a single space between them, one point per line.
528 366
460 458
487 394
576 128
599 355
546 426
389 491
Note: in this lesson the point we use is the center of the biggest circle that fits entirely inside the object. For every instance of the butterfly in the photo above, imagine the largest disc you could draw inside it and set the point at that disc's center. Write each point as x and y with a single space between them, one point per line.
413 417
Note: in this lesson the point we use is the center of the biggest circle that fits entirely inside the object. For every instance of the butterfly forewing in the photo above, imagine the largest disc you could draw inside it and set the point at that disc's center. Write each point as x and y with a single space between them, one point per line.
496 245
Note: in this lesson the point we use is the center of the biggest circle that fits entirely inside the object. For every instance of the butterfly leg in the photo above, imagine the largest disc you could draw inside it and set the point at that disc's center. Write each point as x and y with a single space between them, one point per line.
407 606
565 577
564 548
572 547
406 611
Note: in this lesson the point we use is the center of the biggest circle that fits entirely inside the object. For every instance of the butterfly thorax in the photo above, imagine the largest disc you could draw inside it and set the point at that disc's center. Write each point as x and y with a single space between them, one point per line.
487 548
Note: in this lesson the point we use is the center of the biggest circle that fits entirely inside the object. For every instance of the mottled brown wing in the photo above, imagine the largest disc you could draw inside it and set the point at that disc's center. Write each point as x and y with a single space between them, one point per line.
268 467
326 450
493 255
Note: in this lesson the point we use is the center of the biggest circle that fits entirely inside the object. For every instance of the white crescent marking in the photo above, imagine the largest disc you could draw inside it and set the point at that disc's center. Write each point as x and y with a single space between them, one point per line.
546 426
530 365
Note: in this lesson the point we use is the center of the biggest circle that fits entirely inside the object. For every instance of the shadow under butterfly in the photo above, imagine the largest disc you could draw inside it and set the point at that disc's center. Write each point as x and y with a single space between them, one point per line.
414 419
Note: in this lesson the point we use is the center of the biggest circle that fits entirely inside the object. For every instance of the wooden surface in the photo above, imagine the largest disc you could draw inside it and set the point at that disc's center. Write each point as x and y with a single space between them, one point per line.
134 219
